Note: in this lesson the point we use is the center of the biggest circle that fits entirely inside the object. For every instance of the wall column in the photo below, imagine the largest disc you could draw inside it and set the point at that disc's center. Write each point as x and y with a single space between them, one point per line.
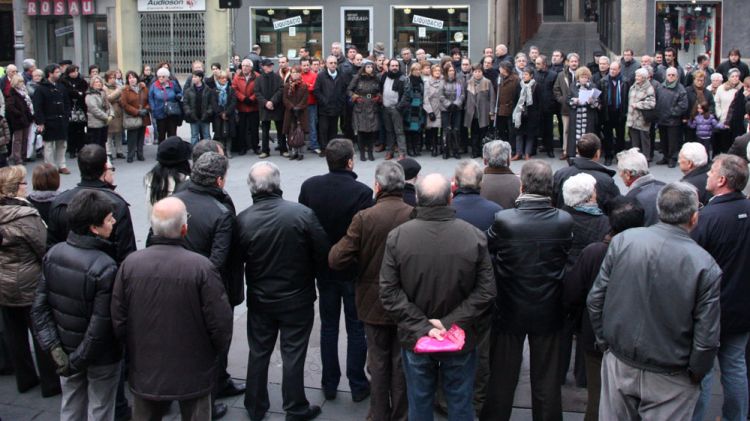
128 35
632 34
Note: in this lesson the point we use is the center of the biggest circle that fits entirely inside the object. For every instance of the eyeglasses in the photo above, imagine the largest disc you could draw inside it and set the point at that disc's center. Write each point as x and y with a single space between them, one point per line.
111 169
23 183
188 215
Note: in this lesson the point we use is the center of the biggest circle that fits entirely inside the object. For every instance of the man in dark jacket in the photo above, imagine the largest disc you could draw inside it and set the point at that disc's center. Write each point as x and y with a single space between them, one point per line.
330 93
396 96
77 328
529 245
545 80
364 243
51 115
168 300
671 101
654 308
589 149
199 107
723 231
428 291
499 183
614 112
411 172
268 91
470 206
96 174
335 198
210 234
733 62
694 164
633 169
283 248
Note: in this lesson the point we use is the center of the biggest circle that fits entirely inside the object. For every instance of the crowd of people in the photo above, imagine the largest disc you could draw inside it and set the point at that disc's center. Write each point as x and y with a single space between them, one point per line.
441 281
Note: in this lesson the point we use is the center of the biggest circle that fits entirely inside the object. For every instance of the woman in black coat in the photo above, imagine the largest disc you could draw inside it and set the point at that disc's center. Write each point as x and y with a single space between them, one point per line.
527 114
76 86
224 119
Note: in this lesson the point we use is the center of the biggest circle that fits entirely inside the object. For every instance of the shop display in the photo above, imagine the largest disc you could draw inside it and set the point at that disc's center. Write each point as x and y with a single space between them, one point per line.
686 27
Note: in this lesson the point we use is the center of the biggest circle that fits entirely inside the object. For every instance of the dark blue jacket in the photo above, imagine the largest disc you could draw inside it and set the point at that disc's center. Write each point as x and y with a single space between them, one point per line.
724 231
475 209
335 198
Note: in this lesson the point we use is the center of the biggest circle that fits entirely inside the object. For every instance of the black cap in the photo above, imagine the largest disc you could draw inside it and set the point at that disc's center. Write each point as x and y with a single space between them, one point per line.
266 62
66 62
411 167
173 151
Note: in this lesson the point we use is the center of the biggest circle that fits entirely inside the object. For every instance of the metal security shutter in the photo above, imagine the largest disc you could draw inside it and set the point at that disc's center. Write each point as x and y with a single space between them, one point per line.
174 37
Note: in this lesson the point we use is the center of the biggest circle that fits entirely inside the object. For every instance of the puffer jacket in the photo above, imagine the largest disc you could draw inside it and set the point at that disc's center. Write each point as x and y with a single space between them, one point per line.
453 94
641 97
704 127
207 105
24 237
365 93
159 95
433 91
529 246
71 308
364 243
98 109
672 104
114 93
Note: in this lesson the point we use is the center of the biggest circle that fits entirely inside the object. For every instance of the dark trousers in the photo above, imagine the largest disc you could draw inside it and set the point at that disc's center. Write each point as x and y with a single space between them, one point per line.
247 132
593 384
17 321
98 136
566 347
196 409
346 122
293 328
135 142
76 137
670 141
265 128
388 400
166 127
506 356
332 294
722 141
477 134
327 129
546 129
652 136
560 127
614 134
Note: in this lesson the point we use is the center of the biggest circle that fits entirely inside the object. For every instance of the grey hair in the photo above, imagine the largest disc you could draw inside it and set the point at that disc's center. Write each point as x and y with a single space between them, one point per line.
497 153
28 64
433 196
732 71
390 176
605 58
162 72
571 55
208 168
734 169
695 153
468 174
170 227
247 60
536 178
633 162
521 54
649 69
266 181
642 73
579 189
671 69
718 76
677 202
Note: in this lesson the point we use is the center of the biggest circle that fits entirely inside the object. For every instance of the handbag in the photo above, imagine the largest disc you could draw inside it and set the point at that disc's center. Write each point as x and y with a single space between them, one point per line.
173 109
297 139
4 132
453 341
130 123
77 115
651 116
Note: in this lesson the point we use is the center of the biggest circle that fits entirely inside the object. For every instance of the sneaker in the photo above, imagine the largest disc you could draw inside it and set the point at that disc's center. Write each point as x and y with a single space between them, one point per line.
285 154
263 155
317 151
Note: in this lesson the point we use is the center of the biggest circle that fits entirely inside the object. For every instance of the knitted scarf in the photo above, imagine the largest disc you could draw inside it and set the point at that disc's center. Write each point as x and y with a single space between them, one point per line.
222 90
525 100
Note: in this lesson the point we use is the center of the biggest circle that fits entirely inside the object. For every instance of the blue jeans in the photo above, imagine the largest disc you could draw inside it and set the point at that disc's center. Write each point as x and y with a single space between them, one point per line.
733 380
199 131
457 371
332 294
312 124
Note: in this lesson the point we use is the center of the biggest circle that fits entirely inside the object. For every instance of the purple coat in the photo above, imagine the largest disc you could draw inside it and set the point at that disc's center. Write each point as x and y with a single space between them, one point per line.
704 127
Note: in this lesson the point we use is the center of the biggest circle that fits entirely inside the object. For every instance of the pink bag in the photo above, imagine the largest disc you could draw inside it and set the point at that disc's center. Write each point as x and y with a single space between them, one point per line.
453 341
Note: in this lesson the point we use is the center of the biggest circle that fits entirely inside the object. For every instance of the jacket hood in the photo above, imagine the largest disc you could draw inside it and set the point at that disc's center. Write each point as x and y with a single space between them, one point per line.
14 209
587 164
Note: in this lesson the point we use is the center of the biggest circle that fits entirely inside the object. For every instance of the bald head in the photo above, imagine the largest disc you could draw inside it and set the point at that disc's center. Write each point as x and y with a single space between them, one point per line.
264 177
433 191
169 218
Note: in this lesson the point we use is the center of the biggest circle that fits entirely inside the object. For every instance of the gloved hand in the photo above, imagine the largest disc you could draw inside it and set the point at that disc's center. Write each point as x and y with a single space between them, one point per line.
143 113
453 108
109 119
247 101
432 116
61 359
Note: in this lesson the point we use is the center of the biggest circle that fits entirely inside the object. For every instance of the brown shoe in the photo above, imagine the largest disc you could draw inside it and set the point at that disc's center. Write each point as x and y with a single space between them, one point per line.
515 157
64 171
564 157
526 157
388 155
379 148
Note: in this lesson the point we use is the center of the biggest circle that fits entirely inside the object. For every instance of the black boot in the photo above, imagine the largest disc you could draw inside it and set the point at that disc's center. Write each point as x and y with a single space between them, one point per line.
446 144
361 145
411 149
369 153
455 141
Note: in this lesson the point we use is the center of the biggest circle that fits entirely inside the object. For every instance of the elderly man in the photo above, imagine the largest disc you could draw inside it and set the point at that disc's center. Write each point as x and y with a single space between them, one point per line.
10 71
693 162
529 245
411 172
501 54
589 149
281 261
248 115
29 65
724 232
672 103
614 112
269 90
167 300
633 169
364 244
427 291
499 183
654 308
406 60
330 93
469 204
565 79
601 71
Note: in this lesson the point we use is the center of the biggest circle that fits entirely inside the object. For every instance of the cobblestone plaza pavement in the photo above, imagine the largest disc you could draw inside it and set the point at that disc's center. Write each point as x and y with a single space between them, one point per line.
129 180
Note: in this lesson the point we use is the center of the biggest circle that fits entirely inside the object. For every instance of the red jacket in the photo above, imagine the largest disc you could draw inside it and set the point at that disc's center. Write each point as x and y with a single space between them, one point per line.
245 89
309 79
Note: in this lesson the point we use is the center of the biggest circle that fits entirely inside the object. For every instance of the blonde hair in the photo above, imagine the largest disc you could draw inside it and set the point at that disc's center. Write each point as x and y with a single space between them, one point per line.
10 179
15 80
94 79
583 71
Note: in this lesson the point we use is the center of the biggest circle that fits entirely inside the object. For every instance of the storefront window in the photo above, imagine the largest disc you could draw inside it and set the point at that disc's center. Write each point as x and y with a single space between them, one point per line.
434 29
690 28
284 30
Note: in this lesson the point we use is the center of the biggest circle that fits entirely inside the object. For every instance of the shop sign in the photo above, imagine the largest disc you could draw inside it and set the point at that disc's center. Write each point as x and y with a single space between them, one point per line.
363 16
31 8
171 5
285 23
45 7
74 8
87 7
59 7
64 30
425 21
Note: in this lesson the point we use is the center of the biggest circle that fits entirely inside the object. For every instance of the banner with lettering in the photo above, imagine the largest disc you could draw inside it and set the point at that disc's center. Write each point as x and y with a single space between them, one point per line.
87 7
74 8
45 7
32 8
59 7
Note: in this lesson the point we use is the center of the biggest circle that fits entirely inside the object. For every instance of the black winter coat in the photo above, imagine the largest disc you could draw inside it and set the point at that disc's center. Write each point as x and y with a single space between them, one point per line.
545 82
269 87
195 112
578 282
52 109
529 246
335 198
330 93
606 189
122 238
283 249
72 305
672 104
645 193
226 129
605 100
210 233
698 178
724 231
17 112
402 85
587 229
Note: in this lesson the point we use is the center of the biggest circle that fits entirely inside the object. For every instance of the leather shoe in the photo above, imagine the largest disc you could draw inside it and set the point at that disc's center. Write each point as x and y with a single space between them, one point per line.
607 162
662 161
329 394
231 389
672 164
63 171
563 157
218 411
359 397
312 412
550 154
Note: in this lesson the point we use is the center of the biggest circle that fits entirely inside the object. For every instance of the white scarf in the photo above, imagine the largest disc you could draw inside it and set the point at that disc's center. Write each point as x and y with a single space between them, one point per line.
525 100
